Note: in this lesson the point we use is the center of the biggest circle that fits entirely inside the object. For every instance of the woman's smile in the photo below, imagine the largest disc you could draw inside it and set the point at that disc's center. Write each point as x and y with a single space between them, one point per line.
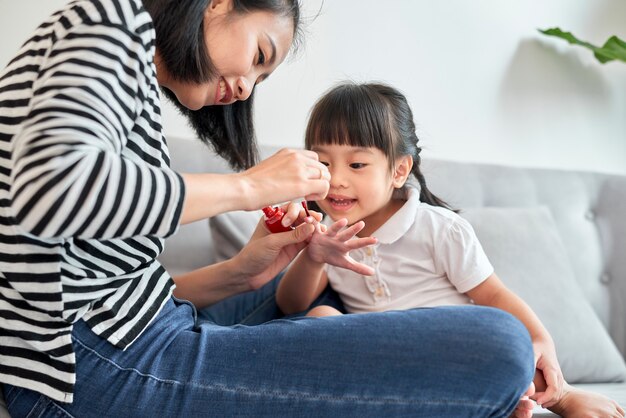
223 93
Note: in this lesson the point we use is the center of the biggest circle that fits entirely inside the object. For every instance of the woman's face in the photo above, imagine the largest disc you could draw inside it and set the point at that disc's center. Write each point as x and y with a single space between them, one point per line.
244 49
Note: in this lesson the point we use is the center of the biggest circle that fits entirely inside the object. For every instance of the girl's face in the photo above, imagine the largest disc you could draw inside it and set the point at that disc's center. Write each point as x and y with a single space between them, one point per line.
361 184
244 49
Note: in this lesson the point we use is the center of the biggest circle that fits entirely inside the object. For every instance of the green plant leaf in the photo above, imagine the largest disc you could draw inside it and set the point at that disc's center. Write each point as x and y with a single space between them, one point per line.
613 49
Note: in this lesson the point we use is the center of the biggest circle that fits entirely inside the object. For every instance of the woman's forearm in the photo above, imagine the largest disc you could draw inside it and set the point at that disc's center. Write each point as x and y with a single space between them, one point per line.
287 175
211 284
207 195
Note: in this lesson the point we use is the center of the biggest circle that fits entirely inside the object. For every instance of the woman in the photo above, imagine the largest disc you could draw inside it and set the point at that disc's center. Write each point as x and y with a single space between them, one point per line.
89 326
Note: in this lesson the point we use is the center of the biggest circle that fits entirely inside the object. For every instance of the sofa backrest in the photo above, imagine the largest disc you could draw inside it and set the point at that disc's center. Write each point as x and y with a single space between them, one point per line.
587 207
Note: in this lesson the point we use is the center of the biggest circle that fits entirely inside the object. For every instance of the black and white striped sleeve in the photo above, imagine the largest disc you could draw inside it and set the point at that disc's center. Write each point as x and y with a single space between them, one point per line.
70 176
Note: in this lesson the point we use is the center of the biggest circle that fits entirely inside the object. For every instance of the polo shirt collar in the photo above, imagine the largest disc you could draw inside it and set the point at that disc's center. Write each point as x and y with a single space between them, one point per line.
402 220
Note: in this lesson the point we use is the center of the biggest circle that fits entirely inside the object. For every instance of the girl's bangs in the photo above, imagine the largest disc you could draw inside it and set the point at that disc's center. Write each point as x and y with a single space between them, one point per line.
349 116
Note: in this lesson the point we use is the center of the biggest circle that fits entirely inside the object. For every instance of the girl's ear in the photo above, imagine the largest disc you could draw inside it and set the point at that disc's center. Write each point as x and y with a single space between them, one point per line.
402 170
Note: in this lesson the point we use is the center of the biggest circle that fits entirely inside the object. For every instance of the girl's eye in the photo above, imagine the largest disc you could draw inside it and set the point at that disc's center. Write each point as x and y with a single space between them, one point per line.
261 60
325 163
357 165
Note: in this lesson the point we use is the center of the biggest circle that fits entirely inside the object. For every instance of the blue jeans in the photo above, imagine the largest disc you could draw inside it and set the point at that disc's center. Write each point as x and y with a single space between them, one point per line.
433 362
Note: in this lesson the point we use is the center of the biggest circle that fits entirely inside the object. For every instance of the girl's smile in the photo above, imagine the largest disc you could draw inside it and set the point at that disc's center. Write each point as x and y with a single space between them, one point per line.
340 203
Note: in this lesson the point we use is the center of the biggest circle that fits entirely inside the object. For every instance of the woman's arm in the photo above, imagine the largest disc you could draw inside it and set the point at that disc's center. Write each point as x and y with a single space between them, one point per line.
285 176
71 176
258 262
211 284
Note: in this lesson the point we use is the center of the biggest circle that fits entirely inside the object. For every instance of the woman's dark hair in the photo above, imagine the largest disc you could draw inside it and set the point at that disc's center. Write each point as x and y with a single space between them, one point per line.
369 115
179 27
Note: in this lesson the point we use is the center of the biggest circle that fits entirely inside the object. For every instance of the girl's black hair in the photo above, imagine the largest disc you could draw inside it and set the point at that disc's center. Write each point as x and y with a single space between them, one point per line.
179 27
369 115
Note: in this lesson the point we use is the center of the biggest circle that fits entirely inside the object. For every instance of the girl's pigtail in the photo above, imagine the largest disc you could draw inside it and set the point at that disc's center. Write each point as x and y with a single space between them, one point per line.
425 195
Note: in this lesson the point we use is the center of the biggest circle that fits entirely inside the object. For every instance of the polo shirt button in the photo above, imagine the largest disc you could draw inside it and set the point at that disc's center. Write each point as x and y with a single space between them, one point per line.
590 215
605 278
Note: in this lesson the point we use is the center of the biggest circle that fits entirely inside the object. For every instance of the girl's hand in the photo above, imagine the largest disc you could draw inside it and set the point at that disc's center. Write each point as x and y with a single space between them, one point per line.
578 403
267 254
548 365
333 245
287 175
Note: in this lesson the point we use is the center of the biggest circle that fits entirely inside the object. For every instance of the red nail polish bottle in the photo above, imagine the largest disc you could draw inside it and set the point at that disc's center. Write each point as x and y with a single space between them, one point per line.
273 216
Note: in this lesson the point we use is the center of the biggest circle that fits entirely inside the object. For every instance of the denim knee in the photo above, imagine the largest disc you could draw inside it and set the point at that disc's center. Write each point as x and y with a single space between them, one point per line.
511 351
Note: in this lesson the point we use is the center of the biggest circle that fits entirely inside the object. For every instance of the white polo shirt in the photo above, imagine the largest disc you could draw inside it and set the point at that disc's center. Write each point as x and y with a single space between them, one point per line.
425 256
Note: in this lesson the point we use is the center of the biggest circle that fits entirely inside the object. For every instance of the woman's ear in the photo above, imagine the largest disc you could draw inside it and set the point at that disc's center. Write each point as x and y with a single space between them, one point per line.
402 170
220 5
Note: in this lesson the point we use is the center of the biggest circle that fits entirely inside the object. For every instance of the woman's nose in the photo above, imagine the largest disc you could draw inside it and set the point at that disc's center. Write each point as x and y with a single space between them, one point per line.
243 88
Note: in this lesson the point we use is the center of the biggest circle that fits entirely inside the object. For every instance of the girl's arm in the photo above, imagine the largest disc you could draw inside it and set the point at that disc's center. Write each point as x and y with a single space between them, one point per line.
302 283
492 292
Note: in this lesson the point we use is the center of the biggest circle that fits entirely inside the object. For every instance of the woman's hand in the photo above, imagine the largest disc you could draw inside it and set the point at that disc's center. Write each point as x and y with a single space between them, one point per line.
287 175
548 365
267 254
333 245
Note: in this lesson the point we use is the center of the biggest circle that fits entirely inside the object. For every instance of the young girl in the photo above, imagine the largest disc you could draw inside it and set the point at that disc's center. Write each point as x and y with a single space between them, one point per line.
426 255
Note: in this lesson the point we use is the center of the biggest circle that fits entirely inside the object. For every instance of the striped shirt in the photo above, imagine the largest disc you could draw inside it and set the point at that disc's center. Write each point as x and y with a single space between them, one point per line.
86 192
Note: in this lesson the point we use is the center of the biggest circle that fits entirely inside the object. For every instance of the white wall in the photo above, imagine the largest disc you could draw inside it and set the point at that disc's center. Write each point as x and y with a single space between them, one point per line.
484 84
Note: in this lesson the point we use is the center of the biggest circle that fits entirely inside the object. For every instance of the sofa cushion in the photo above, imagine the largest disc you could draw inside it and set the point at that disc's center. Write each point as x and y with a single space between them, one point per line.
528 255
231 231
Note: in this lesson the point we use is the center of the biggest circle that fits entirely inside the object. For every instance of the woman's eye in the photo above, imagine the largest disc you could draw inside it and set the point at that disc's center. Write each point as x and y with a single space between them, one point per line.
261 60
357 165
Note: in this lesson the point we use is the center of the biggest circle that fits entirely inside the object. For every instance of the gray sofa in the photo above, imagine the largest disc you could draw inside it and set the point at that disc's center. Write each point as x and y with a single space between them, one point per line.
557 238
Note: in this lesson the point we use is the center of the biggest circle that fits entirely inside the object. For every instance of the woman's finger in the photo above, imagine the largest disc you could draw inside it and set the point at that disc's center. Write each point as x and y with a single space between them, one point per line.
296 235
293 212
318 189
318 172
